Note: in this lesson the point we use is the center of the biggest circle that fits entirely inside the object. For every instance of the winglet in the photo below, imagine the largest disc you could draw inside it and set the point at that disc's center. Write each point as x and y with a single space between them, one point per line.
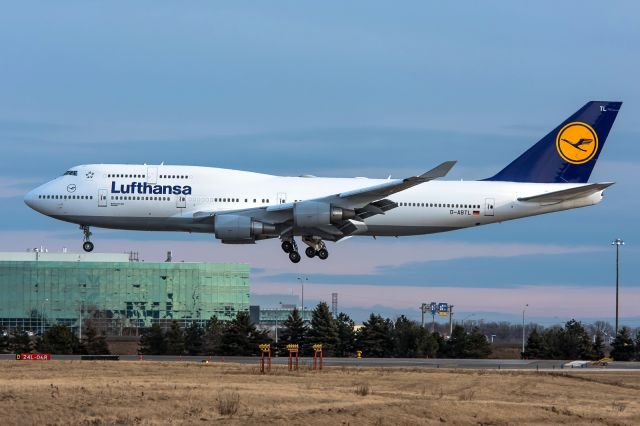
438 171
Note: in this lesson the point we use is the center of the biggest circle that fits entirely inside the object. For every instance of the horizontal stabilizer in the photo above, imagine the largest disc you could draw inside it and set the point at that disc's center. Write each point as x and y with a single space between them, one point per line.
567 194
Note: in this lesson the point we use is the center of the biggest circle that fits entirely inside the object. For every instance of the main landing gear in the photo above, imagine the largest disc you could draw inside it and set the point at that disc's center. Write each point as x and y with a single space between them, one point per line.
87 245
317 247
289 246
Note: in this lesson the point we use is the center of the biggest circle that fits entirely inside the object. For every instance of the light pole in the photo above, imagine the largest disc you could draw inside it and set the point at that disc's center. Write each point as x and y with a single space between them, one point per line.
465 318
617 242
302 285
277 321
423 309
523 311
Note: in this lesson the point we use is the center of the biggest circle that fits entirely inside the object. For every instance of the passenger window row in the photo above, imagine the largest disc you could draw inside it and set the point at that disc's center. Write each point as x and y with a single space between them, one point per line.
65 197
445 205
174 177
125 176
146 198
237 200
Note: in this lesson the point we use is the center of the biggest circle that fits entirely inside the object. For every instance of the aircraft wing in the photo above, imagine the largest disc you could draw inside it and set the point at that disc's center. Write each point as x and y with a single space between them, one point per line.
567 194
366 202
362 196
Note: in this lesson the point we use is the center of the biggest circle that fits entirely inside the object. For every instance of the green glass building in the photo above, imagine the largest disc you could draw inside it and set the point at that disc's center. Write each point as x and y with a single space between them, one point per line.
117 295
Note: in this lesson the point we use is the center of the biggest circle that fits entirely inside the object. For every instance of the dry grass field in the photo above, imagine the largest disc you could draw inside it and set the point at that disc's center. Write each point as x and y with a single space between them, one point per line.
95 393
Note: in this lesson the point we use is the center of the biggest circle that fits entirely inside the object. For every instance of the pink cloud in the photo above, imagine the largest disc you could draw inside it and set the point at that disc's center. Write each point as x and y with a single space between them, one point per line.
544 301
363 256
356 256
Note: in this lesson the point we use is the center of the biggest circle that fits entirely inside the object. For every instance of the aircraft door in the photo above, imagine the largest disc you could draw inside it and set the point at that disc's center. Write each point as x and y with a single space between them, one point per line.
102 198
489 206
181 201
152 174
282 197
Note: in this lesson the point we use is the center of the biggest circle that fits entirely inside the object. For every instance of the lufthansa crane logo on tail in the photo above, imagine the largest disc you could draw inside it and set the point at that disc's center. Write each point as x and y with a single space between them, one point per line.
577 143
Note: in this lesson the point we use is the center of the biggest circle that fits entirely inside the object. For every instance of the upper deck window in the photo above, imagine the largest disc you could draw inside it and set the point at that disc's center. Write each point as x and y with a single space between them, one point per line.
71 173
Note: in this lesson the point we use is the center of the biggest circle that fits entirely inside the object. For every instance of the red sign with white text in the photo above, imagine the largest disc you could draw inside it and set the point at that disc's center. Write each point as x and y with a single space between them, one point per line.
33 357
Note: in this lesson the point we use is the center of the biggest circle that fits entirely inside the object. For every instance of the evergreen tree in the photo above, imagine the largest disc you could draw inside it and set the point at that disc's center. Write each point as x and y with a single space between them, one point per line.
575 343
212 338
4 341
59 339
535 348
345 336
428 344
455 346
94 343
175 339
323 329
598 346
153 342
623 346
194 339
20 342
294 331
240 337
638 344
375 338
477 345
441 345
406 336
553 343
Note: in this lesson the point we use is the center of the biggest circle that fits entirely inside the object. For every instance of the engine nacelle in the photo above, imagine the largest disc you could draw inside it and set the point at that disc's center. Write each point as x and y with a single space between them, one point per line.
240 229
311 214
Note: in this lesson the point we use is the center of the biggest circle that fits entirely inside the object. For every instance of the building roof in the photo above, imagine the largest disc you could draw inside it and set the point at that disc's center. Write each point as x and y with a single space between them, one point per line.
30 256
44 256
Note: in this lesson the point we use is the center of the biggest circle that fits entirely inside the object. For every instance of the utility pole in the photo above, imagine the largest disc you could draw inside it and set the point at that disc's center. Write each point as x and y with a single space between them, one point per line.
423 309
523 310
450 320
302 285
617 242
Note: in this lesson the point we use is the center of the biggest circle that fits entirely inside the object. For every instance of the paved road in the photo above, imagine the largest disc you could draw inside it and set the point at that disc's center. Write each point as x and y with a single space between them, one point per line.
380 362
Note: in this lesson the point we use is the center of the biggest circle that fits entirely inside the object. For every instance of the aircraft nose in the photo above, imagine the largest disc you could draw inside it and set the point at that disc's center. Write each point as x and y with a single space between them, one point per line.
31 198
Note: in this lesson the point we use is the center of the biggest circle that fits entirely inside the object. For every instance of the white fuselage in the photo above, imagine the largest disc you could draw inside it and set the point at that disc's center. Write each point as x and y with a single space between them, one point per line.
165 198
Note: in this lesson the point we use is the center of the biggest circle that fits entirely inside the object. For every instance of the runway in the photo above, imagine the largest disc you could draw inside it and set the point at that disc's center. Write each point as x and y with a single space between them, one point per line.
479 364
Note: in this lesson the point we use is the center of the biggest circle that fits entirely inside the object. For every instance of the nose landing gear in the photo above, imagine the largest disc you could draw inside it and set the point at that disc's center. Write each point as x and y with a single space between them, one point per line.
87 245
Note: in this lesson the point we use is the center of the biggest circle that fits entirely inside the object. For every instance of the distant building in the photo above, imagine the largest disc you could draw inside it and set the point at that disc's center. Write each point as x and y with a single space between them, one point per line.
271 316
118 295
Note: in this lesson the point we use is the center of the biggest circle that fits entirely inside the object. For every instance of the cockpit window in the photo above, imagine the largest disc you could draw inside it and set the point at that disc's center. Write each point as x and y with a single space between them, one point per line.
71 173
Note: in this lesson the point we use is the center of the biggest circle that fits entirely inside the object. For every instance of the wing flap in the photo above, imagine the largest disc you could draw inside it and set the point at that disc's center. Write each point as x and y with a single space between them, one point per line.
567 194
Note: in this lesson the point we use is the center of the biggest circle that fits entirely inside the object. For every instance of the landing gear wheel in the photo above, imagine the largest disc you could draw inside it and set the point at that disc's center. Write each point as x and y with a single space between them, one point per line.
323 254
310 252
287 247
294 256
87 246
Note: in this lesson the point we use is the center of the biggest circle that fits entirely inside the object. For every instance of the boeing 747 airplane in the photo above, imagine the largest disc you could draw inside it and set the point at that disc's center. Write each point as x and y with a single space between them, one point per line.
240 207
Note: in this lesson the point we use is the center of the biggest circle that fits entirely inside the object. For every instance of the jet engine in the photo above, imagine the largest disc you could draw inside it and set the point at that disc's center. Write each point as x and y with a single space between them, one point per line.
311 214
231 228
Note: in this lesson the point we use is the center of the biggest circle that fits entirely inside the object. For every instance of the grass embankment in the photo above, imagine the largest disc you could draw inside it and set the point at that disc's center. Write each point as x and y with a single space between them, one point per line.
86 392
